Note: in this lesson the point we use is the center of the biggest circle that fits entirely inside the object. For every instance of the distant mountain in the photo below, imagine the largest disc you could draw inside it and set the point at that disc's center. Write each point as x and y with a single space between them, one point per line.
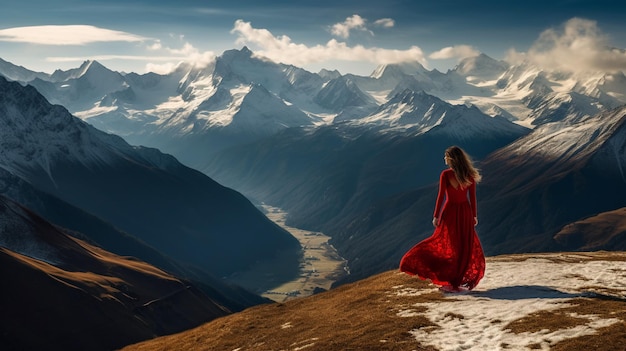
554 96
189 112
176 210
81 87
481 68
420 112
532 188
560 173
341 92
19 73
351 154
61 293
324 174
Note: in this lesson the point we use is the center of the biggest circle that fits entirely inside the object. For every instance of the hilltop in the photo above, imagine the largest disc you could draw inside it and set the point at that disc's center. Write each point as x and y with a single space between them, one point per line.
555 301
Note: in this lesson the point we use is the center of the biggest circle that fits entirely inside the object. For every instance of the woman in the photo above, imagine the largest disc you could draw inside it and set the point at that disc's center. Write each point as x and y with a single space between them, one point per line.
452 257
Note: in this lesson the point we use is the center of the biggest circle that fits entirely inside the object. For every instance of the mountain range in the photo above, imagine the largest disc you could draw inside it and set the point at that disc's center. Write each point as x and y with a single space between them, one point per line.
352 156
62 176
139 190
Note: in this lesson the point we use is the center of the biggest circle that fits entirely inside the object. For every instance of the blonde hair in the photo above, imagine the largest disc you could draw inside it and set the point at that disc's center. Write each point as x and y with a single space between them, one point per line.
462 166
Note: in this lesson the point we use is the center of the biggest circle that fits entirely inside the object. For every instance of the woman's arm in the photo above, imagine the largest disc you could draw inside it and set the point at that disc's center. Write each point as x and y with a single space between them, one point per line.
440 197
472 198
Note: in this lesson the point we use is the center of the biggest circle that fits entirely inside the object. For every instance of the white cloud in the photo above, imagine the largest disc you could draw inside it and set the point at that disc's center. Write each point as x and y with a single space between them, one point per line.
351 23
111 57
163 68
168 60
192 55
282 49
385 22
579 45
66 35
458 51
155 46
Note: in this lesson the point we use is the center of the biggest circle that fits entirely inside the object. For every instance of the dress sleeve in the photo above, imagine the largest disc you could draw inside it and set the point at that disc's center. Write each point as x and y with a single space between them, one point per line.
472 198
441 194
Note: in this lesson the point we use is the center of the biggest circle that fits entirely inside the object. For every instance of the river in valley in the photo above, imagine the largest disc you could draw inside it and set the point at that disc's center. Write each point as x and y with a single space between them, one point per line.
319 268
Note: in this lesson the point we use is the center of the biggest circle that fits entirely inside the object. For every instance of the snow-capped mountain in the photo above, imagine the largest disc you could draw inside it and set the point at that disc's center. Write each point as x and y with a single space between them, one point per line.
19 73
81 88
190 109
481 68
419 112
342 92
559 173
329 174
142 191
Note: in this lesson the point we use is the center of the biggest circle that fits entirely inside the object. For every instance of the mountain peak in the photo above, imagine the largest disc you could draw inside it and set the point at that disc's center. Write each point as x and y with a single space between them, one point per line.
234 54
481 66
398 70
88 67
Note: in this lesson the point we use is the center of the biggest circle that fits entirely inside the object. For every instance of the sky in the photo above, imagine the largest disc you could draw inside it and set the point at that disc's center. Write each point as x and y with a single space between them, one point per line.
352 36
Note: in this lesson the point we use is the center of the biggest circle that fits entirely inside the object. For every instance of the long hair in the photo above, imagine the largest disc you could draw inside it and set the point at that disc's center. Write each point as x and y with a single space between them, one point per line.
462 166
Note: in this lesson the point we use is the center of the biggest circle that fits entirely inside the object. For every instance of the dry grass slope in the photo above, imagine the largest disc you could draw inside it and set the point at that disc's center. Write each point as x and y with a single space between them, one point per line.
366 316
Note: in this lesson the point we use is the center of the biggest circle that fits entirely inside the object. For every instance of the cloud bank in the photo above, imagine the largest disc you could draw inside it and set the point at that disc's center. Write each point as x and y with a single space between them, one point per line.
283 49
356 22
454 52
578 46
66 35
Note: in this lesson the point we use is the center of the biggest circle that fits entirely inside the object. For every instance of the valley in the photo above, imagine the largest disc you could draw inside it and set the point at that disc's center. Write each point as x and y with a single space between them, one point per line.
320 266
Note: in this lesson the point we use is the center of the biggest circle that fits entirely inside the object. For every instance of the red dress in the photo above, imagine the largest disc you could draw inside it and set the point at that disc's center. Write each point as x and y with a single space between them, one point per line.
452 256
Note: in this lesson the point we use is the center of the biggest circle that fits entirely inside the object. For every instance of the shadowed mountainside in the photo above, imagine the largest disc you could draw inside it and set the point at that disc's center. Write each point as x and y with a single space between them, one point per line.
604 231
61 293
175 209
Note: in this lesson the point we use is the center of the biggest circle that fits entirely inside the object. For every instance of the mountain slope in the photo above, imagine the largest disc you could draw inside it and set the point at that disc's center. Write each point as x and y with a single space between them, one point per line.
525 302
560 173
150 195
325 174
60 293
531 189
81 87
18 73
105 235
600 232
188 112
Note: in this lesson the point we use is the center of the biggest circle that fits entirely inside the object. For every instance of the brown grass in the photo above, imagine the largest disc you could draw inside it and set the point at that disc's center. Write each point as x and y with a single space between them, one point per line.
564 257
358 316
611 338
365 316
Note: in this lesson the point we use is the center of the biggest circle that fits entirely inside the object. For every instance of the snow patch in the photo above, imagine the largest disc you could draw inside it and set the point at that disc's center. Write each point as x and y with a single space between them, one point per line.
509 291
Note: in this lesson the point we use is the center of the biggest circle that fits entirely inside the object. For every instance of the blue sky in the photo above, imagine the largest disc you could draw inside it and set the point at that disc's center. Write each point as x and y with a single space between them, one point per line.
351 36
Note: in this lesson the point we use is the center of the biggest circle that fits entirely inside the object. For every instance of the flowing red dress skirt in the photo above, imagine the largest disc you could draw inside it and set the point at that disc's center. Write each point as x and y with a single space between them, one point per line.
453 255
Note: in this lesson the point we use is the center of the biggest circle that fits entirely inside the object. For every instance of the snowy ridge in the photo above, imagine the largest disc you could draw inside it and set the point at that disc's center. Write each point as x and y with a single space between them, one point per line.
522 92
19 73
194 101
39 134
420 113
569 139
